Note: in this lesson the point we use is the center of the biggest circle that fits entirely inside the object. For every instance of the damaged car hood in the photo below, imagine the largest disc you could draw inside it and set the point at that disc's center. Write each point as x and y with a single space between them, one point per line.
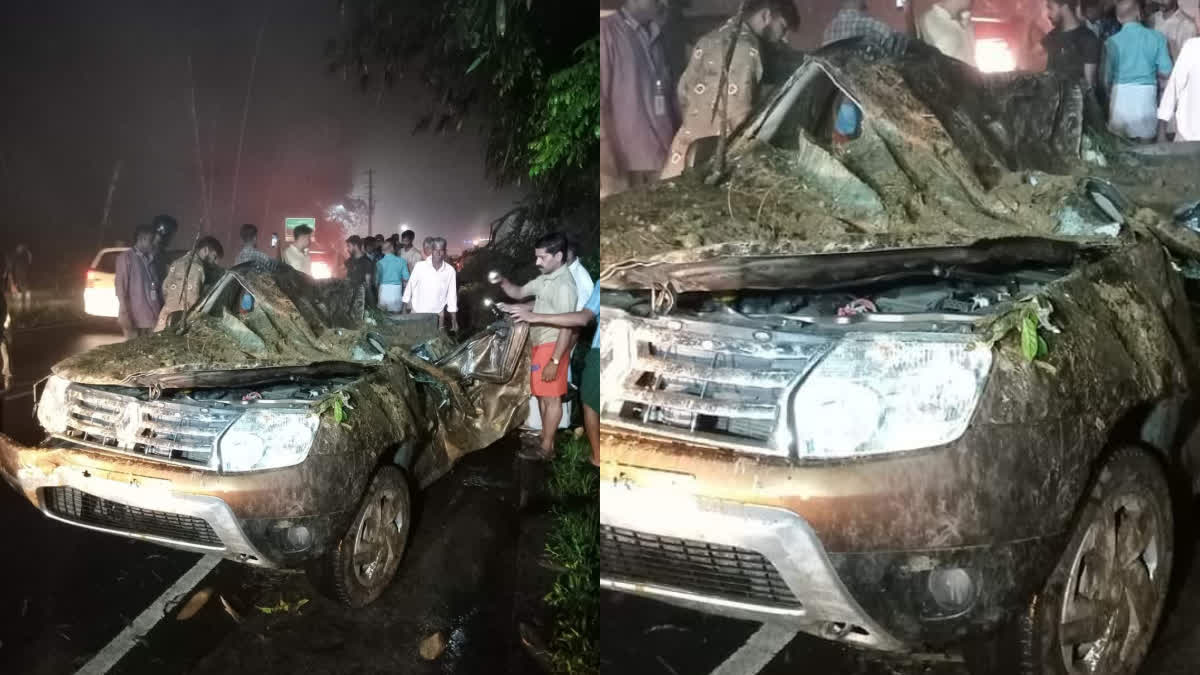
296 327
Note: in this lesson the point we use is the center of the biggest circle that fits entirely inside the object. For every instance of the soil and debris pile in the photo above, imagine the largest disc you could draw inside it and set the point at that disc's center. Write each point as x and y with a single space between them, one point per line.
946 156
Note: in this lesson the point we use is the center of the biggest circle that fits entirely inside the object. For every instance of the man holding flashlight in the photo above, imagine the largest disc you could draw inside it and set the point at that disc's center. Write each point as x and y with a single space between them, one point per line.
554 293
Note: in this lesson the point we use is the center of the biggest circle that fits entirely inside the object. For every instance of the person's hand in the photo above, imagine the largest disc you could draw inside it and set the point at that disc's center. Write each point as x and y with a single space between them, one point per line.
519 312
550 372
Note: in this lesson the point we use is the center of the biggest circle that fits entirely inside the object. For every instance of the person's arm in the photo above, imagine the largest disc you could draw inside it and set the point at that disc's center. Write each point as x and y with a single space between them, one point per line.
1092 53
121 286
518 292
745 74
452 300
561 346
1164 61
567 320
1110 65
564 297
1166 107
406 297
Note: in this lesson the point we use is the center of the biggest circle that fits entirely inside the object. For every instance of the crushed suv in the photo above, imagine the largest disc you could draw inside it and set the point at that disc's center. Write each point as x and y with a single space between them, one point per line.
928 388
279 423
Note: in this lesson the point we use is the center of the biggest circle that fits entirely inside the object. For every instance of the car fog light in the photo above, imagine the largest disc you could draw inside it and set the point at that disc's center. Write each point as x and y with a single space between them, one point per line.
952 588
299 537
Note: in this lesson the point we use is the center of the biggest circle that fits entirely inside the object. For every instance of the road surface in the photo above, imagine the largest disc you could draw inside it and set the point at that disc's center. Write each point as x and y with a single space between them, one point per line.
67 594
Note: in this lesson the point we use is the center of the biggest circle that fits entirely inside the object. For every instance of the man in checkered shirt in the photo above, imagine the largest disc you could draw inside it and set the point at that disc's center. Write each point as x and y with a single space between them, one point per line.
765 21
852 21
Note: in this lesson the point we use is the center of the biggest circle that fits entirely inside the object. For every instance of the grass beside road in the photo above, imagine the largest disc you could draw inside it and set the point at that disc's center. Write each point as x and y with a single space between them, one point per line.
573 546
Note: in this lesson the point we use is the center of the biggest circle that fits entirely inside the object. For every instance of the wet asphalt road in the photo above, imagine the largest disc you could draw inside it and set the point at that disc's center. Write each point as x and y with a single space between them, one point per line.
65 592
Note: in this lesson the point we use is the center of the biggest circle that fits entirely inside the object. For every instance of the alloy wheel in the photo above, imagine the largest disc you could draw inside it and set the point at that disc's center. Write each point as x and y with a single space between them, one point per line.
1115 589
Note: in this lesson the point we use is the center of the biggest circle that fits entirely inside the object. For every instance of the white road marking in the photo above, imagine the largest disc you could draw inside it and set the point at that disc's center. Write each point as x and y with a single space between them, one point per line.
758 651
112 653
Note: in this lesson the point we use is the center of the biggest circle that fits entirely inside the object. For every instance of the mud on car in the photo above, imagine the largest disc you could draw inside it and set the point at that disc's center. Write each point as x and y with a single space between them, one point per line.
931 388
279 423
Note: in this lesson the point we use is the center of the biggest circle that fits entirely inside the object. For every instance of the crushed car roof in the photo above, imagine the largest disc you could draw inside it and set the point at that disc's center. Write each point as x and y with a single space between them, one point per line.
295 323
947 156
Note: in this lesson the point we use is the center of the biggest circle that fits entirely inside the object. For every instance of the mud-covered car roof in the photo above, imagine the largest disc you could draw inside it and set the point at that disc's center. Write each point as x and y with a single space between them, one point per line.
295 322
947 156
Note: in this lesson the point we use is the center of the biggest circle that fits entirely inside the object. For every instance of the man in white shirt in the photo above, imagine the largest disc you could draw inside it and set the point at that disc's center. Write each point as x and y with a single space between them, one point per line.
1181 97
433 286
947 26
296 255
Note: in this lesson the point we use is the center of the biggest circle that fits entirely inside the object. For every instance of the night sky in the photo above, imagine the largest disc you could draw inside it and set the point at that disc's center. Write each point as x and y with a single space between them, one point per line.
86 83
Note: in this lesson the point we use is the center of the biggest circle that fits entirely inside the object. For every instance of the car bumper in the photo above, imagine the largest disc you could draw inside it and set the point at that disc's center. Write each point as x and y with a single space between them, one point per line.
100 302
764 564
850 551
236 517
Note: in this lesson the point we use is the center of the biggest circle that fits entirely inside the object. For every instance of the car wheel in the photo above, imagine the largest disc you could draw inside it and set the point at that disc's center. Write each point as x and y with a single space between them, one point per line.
1099 609
364 561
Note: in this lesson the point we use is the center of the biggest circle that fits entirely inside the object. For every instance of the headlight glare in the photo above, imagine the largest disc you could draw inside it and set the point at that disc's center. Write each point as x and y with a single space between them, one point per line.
876 394
268 439
52 406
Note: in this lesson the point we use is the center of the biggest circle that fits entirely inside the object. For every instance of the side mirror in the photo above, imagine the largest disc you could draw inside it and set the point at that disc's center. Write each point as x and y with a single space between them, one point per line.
701 151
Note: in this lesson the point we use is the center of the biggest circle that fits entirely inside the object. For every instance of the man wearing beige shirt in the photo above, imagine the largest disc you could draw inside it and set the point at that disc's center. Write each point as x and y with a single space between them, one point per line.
947 26
555 293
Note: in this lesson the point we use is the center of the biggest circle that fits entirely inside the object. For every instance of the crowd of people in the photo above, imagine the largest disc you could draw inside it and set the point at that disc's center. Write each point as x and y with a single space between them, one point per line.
395 275
1136 57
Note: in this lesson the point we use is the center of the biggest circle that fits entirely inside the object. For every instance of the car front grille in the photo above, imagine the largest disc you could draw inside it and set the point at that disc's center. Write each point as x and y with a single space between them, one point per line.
80 507
694 566
704 382
170 431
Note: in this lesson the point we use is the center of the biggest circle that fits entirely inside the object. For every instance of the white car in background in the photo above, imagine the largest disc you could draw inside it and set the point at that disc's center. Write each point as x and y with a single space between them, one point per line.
100 287
99 291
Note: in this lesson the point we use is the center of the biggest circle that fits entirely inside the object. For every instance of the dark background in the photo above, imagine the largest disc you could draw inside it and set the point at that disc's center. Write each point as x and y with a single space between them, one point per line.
86 83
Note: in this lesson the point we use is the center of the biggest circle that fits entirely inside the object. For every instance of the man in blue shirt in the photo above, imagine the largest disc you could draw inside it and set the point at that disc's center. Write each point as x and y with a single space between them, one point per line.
590 386
1137 59
391 272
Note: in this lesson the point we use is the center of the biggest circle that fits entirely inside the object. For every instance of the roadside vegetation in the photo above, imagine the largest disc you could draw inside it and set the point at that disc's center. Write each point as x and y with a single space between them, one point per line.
572 546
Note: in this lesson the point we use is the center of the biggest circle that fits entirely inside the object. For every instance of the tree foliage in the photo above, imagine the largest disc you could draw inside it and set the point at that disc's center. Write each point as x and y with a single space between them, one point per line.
531 66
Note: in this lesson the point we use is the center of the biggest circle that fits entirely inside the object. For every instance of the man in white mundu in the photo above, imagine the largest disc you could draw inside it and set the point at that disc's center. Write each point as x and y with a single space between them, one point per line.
433 287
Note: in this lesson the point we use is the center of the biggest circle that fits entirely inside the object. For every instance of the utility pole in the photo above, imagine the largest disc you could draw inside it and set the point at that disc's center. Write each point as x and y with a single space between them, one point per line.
370 202
112 188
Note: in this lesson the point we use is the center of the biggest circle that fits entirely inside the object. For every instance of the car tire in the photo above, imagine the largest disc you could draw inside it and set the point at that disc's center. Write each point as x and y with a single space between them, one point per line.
366 557
1105 597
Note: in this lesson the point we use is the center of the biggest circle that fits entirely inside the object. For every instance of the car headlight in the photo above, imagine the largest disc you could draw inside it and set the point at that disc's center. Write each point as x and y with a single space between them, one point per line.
876 394
268 439
52 406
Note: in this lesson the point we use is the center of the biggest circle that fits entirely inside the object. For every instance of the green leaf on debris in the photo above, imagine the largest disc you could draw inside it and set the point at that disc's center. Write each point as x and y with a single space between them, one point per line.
1029 337
1042 348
